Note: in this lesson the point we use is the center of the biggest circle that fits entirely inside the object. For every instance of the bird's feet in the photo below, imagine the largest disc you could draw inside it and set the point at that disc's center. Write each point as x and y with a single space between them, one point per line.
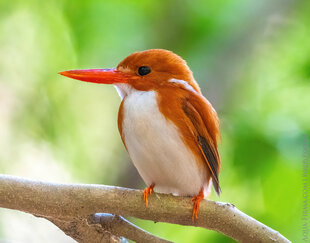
196 201
148 191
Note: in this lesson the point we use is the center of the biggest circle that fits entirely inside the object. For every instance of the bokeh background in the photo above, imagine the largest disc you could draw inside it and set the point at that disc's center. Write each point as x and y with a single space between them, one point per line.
251 59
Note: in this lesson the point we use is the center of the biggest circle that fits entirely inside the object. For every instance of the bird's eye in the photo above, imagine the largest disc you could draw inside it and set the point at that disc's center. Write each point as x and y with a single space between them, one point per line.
144 70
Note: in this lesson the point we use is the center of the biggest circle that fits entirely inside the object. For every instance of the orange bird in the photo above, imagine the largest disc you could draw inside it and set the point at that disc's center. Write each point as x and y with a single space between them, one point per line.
168 127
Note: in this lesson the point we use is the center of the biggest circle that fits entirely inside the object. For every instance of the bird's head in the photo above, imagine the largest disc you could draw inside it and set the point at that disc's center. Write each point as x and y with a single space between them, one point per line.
145 70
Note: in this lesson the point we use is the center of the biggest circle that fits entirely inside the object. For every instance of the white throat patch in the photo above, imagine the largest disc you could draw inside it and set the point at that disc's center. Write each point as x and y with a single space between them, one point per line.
123 89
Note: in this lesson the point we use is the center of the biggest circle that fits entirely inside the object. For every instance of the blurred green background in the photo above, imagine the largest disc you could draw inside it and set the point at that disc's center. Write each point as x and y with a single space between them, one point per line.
251 59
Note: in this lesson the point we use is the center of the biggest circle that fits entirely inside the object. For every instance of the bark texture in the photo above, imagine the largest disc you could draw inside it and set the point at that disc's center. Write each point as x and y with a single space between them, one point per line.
75 208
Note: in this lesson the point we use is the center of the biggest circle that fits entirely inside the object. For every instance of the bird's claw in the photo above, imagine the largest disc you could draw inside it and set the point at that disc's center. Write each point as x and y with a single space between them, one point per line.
197 199
148 191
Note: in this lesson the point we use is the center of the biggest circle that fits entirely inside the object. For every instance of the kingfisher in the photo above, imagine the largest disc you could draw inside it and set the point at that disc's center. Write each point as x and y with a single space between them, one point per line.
170 130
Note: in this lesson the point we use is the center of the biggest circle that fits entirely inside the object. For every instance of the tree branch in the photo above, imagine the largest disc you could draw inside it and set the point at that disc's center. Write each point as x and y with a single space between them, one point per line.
119 226
81 231
76 201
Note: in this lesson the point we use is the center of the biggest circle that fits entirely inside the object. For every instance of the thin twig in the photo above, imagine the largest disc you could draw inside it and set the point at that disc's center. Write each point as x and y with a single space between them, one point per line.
119 226
82 232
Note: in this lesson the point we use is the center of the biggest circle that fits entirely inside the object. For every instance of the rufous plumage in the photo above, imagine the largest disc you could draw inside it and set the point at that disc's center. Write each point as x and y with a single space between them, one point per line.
168 127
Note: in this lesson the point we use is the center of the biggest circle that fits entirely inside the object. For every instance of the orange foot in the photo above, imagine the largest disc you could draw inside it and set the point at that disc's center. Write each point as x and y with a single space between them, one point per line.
196 201
148 191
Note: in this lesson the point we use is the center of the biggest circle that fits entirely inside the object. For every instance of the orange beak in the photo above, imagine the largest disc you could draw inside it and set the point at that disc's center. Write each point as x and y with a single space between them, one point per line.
101 76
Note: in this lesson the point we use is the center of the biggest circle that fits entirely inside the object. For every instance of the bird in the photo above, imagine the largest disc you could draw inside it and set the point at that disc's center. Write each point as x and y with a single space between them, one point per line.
169 129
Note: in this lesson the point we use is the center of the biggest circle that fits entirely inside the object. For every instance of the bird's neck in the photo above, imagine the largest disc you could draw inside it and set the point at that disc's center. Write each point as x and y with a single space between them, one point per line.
124 89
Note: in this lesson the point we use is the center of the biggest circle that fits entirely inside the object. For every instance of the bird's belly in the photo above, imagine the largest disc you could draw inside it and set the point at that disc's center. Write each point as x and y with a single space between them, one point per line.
157 149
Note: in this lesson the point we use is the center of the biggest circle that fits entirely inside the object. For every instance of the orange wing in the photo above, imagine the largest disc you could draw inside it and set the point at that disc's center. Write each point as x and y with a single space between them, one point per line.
204 126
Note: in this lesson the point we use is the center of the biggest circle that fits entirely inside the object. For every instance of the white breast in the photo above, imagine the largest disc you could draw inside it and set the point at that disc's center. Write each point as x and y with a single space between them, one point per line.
156 147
